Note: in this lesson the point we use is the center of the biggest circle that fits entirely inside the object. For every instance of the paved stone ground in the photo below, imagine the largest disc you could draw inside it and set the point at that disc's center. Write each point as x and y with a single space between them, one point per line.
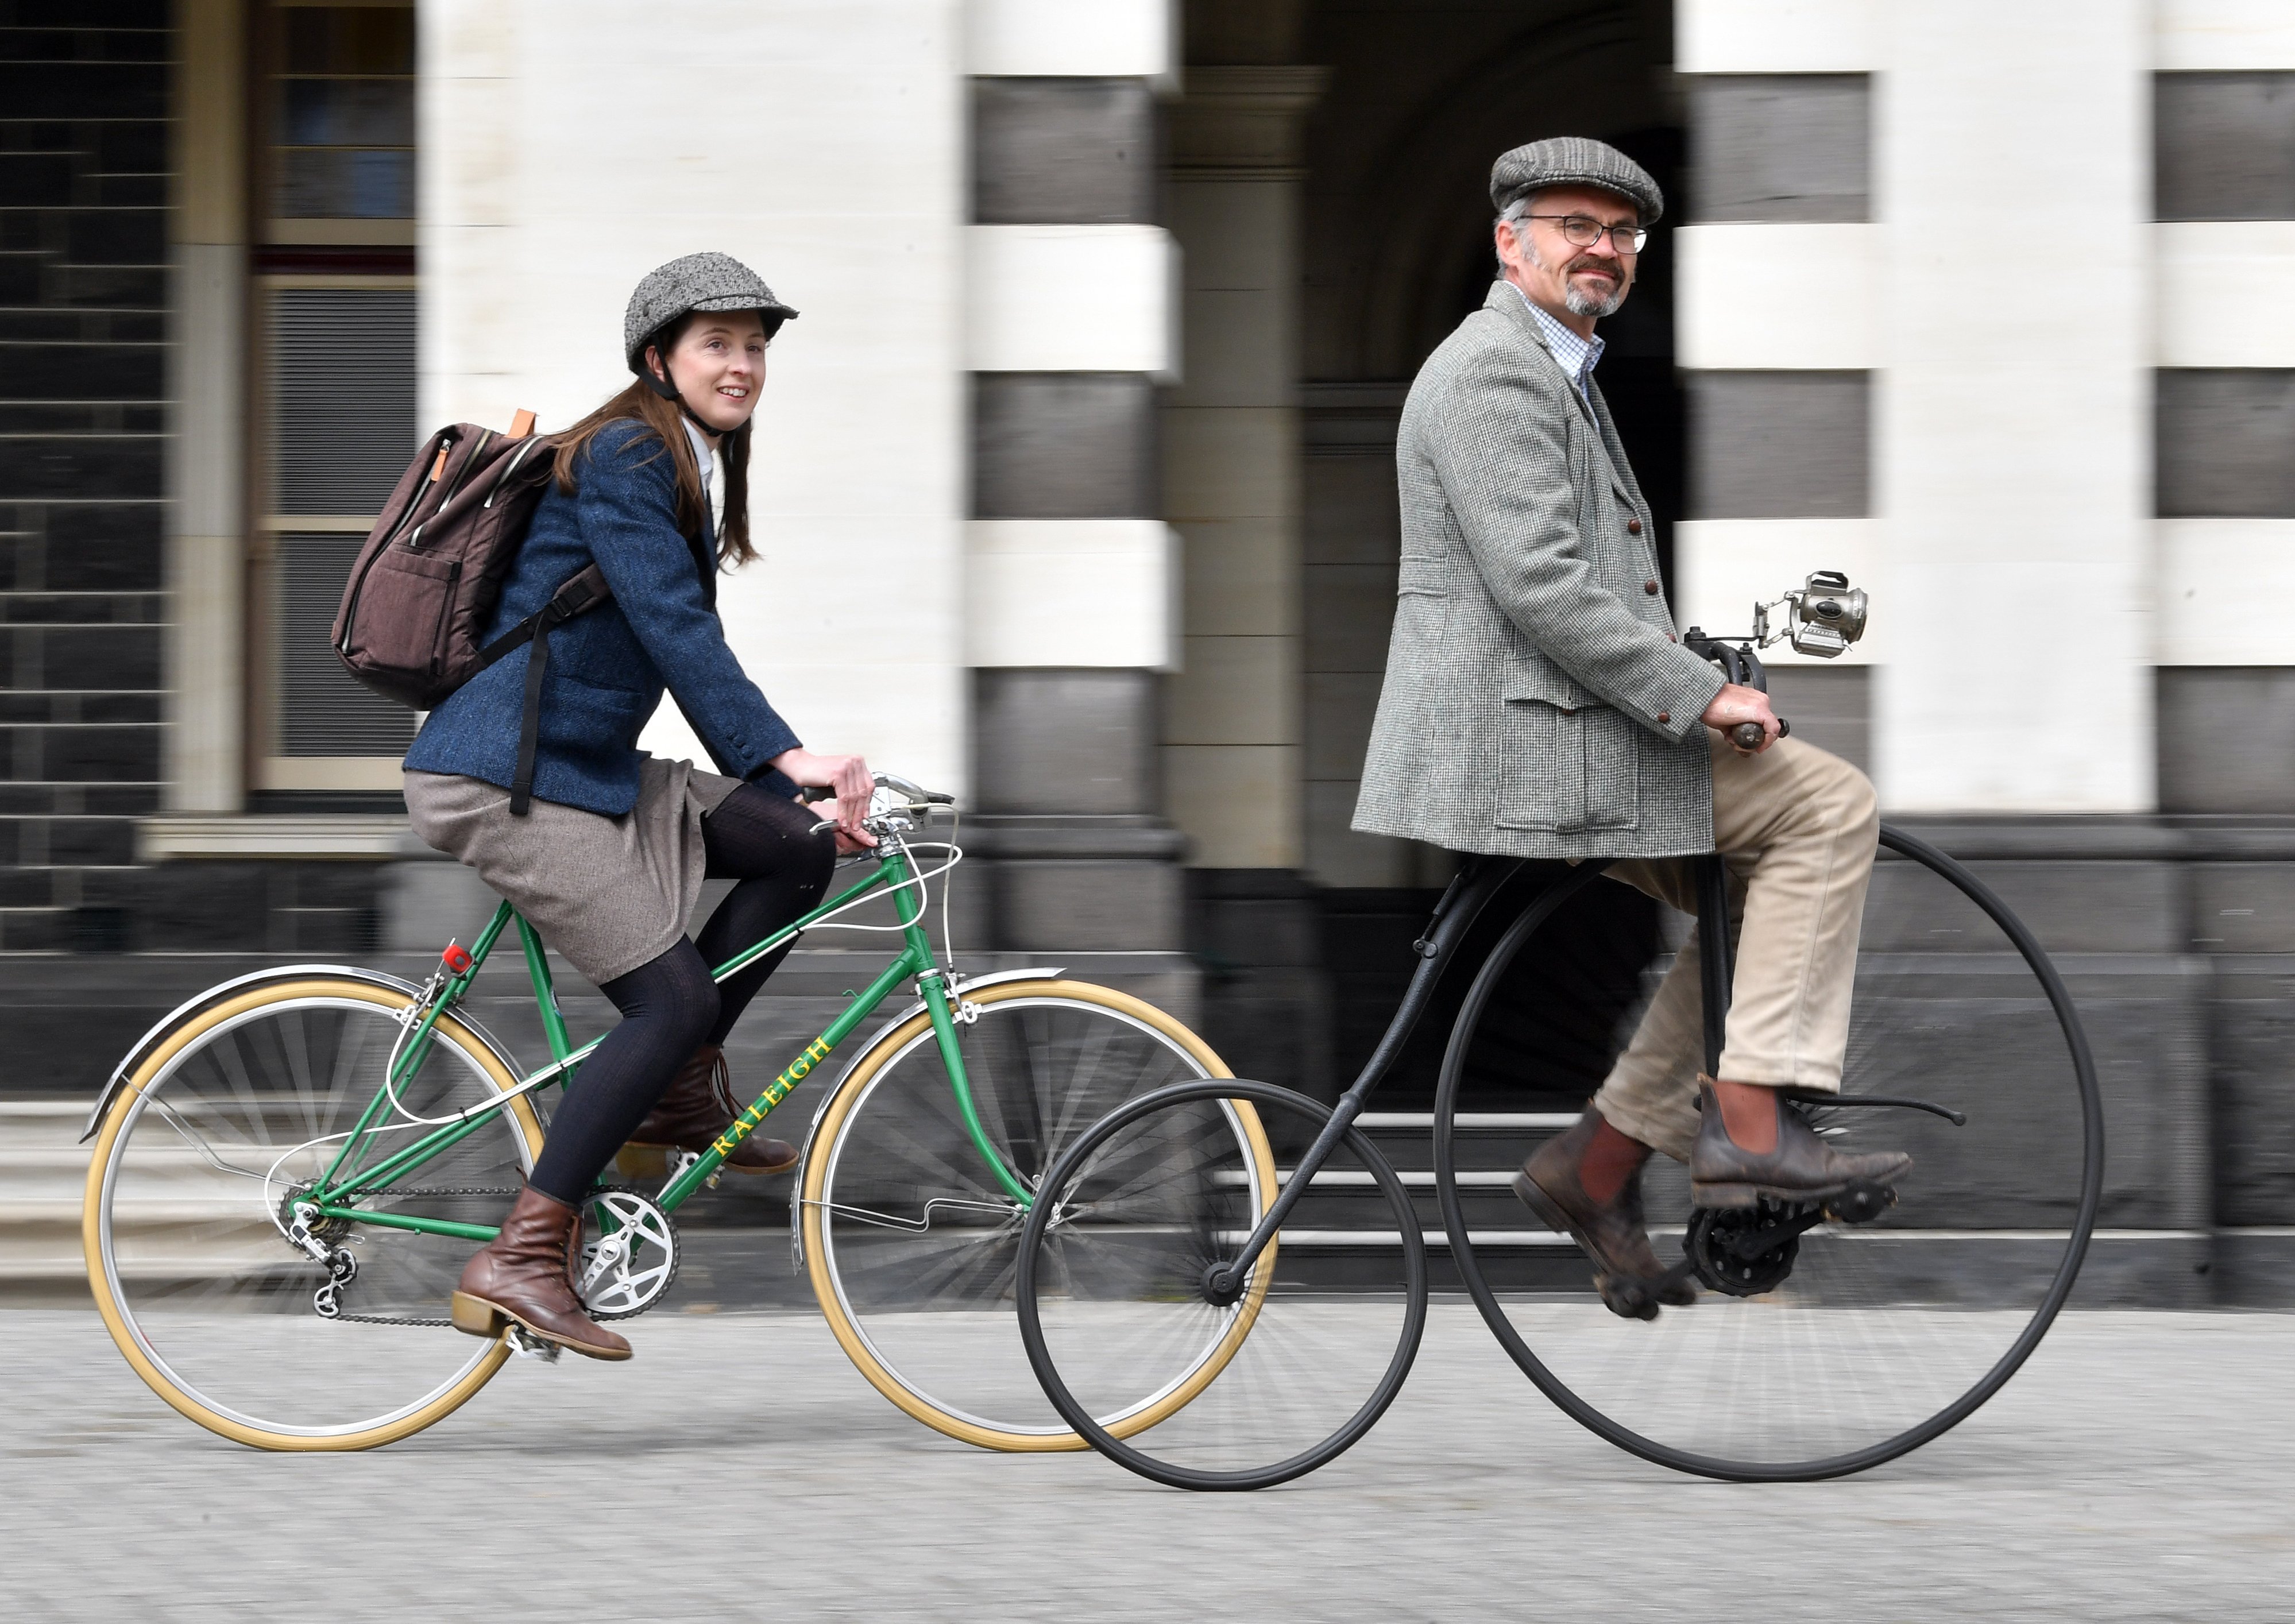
2140 1468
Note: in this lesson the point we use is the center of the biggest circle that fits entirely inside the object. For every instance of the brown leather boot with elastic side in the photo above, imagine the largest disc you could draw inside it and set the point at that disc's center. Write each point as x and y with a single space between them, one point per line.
1802 1168
1613 1233
526 1274
698 1105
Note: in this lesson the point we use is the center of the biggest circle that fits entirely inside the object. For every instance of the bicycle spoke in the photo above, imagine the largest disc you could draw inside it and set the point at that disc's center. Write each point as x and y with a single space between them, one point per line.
1884 1333
195 1250
933 1304
1315 1345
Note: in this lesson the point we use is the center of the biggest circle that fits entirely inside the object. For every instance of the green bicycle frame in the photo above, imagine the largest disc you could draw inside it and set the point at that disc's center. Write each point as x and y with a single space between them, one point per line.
336 1193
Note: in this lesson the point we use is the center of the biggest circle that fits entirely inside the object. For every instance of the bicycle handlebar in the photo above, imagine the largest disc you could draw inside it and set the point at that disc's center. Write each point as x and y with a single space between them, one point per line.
917 794
1744 667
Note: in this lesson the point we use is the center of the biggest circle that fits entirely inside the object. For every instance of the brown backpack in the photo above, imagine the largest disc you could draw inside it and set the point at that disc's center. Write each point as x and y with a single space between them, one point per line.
425 582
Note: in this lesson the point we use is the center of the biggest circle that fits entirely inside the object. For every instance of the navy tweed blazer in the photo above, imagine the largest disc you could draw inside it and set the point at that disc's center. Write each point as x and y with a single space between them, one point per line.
609 667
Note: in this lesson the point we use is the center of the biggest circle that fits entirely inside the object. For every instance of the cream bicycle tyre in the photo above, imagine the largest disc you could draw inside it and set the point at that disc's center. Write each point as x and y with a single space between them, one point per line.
479 1074
1077 1006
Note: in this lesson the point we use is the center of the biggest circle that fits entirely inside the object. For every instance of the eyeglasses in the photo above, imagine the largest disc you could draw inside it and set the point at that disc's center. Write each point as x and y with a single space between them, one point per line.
1583 231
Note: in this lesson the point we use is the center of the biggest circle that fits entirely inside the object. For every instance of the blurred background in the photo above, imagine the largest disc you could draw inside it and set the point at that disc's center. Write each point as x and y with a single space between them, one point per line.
1075 480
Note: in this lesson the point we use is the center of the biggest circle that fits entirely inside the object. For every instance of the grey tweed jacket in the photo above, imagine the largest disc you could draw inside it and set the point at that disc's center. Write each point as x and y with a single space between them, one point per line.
1537 703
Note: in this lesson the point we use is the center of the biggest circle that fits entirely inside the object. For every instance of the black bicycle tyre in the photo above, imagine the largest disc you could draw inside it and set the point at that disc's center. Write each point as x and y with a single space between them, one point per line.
1337 1442
1446 1188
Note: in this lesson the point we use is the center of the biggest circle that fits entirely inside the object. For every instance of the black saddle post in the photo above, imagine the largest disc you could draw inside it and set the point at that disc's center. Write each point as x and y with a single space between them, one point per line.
1744 667
1713 953
1469 892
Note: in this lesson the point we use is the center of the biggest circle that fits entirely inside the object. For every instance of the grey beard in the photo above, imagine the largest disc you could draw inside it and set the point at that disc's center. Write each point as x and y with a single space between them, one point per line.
1580 303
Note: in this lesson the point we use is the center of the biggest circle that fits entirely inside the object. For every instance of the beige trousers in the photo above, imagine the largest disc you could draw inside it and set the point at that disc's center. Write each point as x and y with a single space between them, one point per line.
1797 829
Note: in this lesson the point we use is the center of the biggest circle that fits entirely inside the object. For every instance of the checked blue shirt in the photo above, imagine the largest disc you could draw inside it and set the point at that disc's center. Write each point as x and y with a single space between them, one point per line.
1579 357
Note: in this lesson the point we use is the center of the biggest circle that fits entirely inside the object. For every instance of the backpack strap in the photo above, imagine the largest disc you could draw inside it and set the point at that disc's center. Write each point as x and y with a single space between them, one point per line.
584 591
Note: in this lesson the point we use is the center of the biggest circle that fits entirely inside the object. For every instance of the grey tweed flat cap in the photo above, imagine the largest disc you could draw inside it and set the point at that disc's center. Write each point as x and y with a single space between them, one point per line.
1574 160
698 281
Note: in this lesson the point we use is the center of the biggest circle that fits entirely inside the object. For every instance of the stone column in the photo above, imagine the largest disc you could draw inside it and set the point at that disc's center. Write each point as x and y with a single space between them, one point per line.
2007 526
2013 451
206 438
843 188
1231 741
1071 570
1234 736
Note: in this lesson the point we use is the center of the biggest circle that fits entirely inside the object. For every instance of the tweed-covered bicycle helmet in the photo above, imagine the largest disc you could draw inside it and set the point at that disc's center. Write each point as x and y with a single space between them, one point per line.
698 282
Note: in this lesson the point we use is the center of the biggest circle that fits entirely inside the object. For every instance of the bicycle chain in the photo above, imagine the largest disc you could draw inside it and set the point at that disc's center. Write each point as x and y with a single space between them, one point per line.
393 1319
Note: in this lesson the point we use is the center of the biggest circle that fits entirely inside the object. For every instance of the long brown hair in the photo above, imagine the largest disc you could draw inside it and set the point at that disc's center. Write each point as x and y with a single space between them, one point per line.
666 423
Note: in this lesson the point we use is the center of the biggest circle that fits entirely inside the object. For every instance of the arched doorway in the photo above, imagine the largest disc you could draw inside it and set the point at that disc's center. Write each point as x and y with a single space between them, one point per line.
1412 103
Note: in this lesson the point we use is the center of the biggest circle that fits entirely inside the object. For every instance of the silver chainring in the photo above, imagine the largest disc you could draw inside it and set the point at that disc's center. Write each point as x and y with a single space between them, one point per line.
625 1272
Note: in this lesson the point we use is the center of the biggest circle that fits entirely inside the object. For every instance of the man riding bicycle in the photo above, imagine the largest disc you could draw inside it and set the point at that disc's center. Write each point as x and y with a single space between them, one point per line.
1538 703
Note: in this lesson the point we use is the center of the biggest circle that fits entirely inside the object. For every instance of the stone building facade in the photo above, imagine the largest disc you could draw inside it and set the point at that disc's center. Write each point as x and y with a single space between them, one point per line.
1074 481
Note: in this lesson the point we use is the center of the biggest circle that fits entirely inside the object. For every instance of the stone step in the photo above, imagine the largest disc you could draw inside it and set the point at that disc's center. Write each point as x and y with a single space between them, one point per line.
43 1187
42 1173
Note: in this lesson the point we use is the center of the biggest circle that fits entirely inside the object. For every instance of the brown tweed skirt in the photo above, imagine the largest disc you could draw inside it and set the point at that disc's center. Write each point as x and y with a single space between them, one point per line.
607 893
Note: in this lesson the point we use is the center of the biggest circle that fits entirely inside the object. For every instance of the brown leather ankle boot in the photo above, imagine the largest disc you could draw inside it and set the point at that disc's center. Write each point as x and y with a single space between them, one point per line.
526 1274
1612 1233
1802 1168
698 1105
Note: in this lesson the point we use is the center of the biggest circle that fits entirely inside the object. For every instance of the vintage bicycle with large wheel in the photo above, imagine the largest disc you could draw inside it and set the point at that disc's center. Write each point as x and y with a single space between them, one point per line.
290 1170
1828 1337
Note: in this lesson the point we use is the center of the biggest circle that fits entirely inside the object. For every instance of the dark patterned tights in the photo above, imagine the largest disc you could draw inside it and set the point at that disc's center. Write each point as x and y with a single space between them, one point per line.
669 1006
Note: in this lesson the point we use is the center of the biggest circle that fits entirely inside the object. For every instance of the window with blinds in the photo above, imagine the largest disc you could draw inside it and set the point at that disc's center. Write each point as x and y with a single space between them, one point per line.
334 336
340 377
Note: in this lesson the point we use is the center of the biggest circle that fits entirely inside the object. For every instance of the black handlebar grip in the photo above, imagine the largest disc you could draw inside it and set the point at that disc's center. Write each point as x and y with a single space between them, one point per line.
1747 734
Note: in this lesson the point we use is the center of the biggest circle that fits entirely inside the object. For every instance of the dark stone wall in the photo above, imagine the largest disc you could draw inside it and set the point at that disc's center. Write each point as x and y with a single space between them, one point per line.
1064 445
1074 855
1830 707
83 155
1064 152
1780 445
2224 145
1782 146
2226 739
2223 435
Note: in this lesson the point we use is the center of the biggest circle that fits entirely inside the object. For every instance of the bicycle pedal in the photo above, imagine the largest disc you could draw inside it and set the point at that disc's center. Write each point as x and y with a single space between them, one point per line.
526 1344
1861 1203
1626 1299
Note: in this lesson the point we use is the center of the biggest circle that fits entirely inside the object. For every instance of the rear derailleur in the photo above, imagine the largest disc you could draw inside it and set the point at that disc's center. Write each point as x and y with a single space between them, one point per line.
315 1238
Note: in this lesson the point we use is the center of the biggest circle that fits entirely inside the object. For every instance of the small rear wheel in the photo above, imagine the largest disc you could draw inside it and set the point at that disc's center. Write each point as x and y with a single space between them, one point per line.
1127 1271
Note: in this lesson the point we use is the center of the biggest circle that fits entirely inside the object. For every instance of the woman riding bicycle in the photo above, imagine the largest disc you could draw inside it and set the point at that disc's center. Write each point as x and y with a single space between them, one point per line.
607 861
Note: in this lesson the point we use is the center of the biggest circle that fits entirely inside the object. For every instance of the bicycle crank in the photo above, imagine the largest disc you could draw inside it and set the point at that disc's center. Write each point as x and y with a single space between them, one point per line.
1746 1250
1743 1252
630 1257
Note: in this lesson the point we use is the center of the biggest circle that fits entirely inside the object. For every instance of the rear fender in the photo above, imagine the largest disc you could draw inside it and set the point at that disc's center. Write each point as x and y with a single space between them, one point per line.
223 991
